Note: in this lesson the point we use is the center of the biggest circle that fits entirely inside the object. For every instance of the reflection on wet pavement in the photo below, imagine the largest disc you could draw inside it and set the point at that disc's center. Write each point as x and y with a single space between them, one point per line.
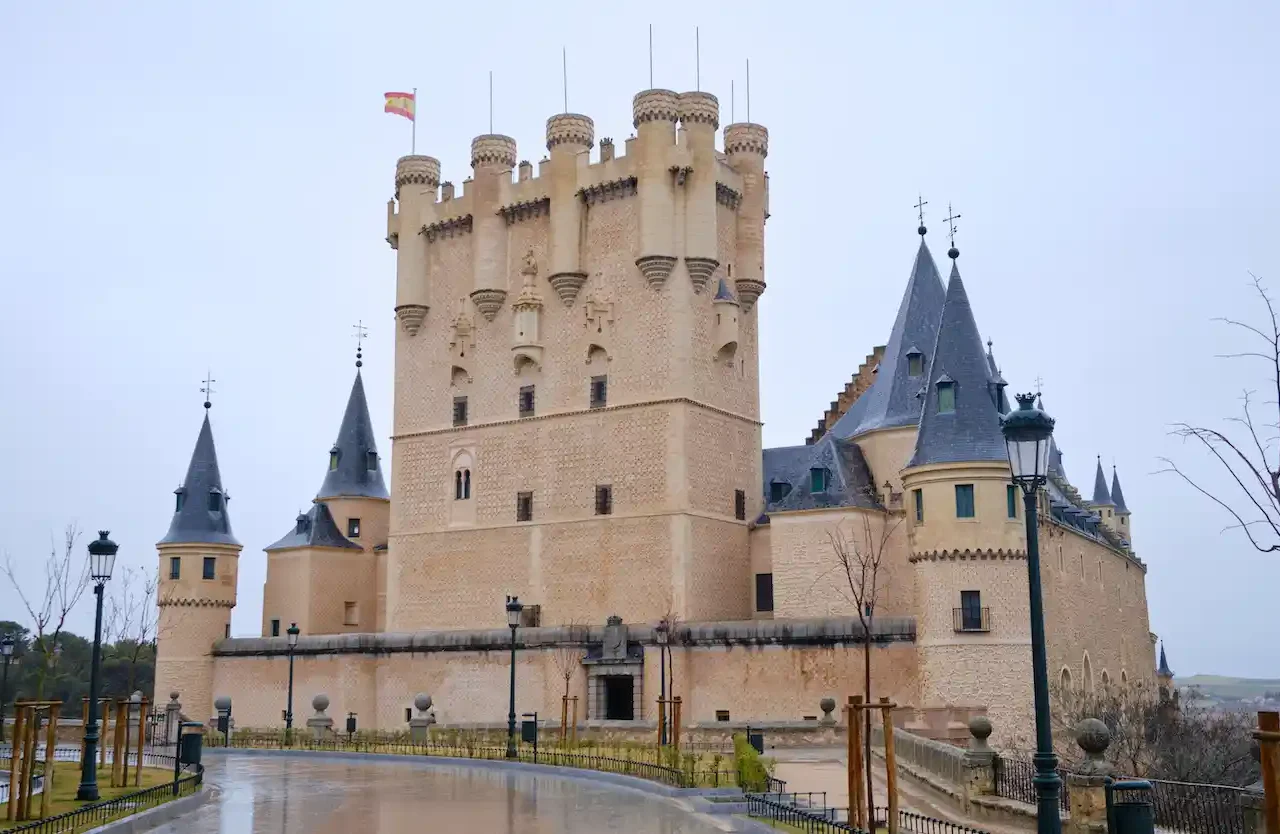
289 795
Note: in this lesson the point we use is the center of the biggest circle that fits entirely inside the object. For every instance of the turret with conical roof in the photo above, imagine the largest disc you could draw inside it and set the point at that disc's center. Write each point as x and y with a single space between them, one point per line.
1102 503
1122 509
355 471
199 565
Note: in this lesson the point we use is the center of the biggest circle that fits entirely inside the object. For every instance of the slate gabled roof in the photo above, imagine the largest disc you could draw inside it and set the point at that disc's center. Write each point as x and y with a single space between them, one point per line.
972 431
1116 495
891 400
314 528
1101 495
353 477
849 477
193 522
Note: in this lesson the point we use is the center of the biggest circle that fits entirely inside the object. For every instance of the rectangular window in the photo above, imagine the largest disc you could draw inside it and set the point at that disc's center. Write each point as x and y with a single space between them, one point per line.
817 480
371 460
739 505
350 614
524 506
275 628
946 397
181 494
526 401
459 411
964 500
599 391
917 495
175 567
353 528
215 501
226 631
970 613
1011 498
778 490
764 592
210 567
604 499
915 364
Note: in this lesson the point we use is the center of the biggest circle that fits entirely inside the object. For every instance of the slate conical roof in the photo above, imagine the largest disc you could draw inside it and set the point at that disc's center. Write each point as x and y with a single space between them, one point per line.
314 528
1164 671
997 380
201 515
723 293
1116 495
351 475
1100 493
892 399
972 431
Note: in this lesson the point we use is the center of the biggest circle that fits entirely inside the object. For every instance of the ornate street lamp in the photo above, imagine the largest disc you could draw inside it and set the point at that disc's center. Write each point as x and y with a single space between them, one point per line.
513 620
292 631
662 631
1027 432
6 649
102 560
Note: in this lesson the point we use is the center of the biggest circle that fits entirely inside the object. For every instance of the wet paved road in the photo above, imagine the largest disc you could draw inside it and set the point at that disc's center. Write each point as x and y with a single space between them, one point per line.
321 795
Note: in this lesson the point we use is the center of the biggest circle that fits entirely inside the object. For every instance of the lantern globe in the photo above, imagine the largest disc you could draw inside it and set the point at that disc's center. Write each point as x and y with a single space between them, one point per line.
514 607
102 557
1028 432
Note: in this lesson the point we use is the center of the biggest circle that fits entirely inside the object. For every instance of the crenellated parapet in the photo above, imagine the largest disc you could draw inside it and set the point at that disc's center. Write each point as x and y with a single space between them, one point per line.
570 129
655 106
492 150
699 108
746 138
417 170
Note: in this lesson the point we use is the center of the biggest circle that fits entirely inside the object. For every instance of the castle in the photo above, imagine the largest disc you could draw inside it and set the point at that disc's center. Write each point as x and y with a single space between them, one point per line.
577 422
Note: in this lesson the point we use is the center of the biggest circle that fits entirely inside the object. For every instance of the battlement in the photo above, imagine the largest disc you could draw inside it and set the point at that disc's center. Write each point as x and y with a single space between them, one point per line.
746 137
655 106
417 170
699 108
493 150
570 129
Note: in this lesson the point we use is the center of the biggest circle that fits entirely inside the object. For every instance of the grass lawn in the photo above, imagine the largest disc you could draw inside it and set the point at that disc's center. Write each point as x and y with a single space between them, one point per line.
66 780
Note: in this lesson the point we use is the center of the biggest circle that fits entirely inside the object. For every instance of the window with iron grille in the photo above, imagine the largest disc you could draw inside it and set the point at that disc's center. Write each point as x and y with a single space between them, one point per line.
526 401
524 506
604 499
971 616
764 591
210 567
175 567
459 411
739 504
599 391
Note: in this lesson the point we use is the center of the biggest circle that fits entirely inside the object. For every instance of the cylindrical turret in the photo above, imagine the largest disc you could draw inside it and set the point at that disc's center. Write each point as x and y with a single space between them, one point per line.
655 114
699 118
726 312
492 158
747 145
569 139
417 178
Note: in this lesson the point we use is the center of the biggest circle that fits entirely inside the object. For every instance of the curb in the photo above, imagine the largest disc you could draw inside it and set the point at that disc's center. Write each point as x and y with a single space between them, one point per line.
157 816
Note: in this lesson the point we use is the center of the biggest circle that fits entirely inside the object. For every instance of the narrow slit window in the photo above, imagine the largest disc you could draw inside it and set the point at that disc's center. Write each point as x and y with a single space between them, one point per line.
459 411
1011 498
275 628
604 499
739 504
599 391
524 506
917 496
526 401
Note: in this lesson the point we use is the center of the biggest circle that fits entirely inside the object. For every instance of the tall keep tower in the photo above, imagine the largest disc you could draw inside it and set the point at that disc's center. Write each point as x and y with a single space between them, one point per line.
199 562
577 405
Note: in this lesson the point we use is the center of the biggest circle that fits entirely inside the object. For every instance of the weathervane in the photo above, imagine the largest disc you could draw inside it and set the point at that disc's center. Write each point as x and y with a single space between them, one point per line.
920 204
207 389
950 220
360 333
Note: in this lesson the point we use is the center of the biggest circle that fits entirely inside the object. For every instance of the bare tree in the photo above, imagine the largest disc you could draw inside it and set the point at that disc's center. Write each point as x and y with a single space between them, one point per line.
567 657
860 556
65 579
1247 449
131 618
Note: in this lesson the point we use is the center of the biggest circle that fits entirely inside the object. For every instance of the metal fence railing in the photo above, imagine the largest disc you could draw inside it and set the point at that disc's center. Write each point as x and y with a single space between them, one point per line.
116 807
1014 781
808 812
1196 808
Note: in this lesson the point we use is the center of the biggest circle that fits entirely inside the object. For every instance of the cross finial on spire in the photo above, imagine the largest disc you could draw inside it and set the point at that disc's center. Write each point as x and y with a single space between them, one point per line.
921 202
207 389
360 333
1039 385
950 220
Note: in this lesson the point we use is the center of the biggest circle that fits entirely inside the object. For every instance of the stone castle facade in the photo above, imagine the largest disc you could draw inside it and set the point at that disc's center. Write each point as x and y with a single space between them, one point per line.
577 422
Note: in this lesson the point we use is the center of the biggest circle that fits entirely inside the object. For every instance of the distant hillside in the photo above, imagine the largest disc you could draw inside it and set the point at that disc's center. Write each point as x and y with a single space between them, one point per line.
1221 686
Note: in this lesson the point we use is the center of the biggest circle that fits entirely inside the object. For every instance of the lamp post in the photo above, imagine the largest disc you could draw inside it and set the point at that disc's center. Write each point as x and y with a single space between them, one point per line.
1027 432
513 620
102 559
6 649
663 633
292 631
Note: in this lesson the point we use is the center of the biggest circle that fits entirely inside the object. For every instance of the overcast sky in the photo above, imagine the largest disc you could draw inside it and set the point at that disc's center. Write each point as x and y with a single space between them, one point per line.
182 190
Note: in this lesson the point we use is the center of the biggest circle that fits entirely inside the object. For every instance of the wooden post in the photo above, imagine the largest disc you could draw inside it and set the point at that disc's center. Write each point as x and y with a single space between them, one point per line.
50 741
15 762
890 765
142 741
857 805
117 745
662 722
675 725
573 733
1268 737
103 715
564 718
28 764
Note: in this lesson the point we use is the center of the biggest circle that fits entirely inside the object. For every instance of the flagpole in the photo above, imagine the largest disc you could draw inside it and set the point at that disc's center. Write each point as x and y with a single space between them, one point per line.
413 147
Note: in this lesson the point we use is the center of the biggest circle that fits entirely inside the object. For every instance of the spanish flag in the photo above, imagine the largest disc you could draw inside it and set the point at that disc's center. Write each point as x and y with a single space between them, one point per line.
402 104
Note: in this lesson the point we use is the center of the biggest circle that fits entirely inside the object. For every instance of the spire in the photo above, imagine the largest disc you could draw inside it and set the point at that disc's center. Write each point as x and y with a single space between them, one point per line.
1100 493
200 514
354 467
892 399
968 427
314 528
1116 495
723 293
1163 670
997 382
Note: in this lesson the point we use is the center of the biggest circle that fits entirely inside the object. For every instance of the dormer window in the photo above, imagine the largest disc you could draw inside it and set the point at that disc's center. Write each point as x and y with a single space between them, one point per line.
334 454
180 496
915 363
778 490
371 461
303 524
215 500
946 395
818 478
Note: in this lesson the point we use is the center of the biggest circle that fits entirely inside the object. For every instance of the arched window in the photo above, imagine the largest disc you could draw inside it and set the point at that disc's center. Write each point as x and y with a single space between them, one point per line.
466 484
457 485
1106 681
1065 681
1087 683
